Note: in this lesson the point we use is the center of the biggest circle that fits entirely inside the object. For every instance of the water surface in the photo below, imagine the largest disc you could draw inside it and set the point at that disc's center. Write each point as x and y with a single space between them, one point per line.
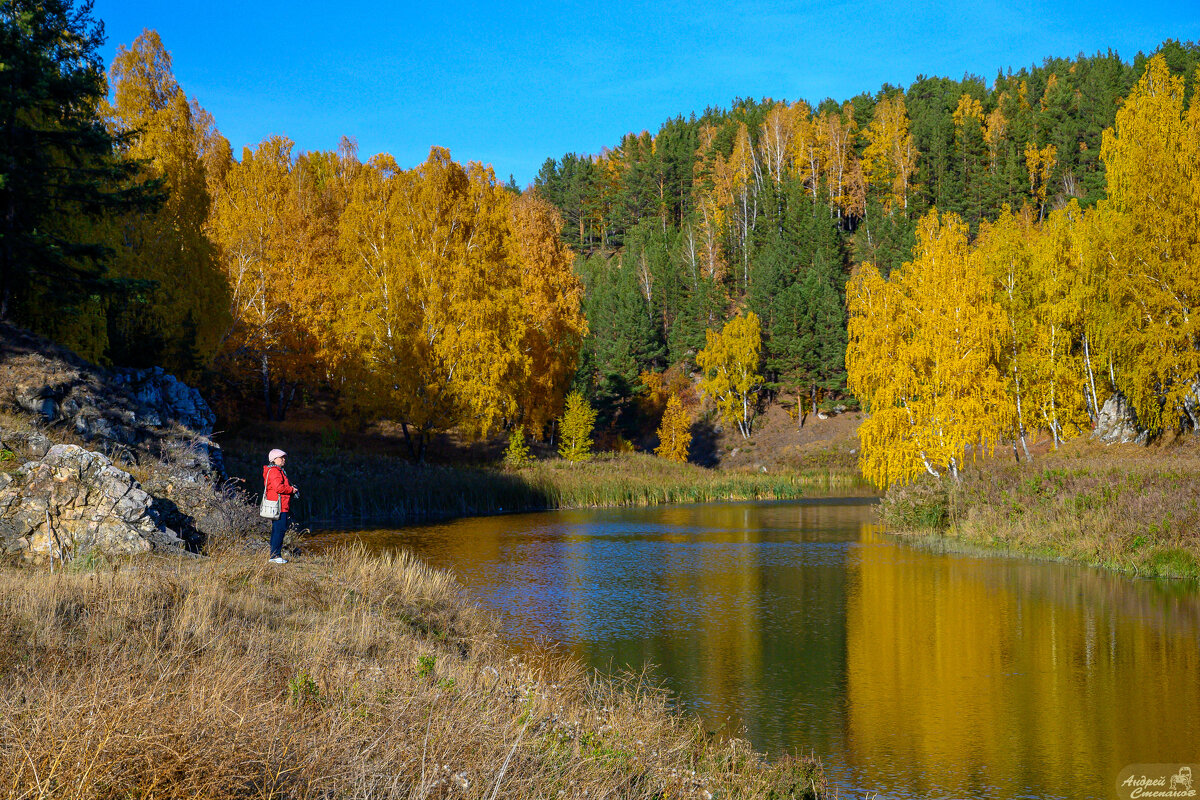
911 673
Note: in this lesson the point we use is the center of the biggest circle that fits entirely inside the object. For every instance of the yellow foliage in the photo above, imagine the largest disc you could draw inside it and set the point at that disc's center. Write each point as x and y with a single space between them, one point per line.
808 147
675 431
922 356
575 429
1040 164
432 305
1147 241
890 157
552 299
730 362
254 223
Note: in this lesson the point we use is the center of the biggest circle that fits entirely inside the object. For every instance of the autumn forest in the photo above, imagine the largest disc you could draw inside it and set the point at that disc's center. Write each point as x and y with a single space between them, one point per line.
970 261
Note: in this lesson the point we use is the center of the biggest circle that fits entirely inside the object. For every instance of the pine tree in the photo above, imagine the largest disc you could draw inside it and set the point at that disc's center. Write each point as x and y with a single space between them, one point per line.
61 169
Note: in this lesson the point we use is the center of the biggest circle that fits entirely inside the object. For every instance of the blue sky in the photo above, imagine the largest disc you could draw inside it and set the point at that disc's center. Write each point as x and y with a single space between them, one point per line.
511 84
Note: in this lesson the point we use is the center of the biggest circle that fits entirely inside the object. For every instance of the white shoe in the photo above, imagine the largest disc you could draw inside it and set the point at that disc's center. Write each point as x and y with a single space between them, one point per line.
278 560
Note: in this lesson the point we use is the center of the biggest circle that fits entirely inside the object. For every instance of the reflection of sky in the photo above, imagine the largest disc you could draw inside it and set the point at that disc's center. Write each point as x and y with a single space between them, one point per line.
912 673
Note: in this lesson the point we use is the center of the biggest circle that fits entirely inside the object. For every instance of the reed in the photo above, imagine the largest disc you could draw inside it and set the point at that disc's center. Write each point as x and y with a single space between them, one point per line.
367 487
342 676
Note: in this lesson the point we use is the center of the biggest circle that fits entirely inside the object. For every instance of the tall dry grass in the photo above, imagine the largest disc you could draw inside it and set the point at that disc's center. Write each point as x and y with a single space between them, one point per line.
346 676
1127 508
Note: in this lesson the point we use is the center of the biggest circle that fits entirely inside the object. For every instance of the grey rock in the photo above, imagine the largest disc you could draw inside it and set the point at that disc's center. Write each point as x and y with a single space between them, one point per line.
162 398
1117 424
75 499
37 444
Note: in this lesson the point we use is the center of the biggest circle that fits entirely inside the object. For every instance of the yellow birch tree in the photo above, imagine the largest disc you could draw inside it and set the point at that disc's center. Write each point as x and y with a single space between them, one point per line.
433 317
922 357
553 306
890 157
1147 241
730 362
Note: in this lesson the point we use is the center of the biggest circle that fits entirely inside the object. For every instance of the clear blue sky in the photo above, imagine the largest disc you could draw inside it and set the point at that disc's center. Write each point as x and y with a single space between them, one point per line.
511 83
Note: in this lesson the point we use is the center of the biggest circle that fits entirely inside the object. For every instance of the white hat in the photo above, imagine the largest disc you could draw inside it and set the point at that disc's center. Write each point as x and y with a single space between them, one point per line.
274 454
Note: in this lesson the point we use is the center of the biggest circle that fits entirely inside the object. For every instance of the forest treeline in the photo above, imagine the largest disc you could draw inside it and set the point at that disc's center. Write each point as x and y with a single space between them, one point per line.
768 207
442 299
1036 323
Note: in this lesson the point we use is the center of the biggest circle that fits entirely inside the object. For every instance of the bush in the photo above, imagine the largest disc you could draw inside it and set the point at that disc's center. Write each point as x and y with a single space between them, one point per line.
517 455
923 505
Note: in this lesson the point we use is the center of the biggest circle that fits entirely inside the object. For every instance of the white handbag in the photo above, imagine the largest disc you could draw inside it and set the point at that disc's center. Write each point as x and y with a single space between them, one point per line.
269 509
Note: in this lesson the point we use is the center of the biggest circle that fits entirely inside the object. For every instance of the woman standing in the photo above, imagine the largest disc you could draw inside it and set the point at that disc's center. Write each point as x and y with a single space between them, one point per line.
278 487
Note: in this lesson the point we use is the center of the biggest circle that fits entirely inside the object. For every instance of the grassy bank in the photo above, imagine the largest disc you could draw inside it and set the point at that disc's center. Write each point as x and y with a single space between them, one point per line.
1126 508
341 676
344 485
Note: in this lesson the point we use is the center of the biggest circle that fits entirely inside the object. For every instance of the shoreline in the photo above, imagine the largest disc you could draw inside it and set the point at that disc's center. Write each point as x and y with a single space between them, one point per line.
353 489
1128 511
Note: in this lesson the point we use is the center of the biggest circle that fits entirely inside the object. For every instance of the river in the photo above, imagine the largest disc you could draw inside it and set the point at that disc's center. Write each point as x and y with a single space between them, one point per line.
909 672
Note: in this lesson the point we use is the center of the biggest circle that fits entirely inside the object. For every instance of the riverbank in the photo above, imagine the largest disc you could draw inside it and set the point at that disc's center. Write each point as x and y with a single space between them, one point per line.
341 675
1122 507
340 485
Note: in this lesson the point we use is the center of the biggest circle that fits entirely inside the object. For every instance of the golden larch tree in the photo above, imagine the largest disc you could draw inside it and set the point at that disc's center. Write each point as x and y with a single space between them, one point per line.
575 429
674 432
188 308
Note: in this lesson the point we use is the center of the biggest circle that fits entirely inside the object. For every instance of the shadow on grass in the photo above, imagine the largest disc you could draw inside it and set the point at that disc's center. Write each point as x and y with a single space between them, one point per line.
348 488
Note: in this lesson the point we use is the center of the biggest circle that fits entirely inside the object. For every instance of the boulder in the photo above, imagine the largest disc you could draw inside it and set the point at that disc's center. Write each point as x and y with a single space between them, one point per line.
72 500
1117 424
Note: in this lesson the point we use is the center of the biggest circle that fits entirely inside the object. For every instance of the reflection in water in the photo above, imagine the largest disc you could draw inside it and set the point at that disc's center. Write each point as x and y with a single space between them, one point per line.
911 673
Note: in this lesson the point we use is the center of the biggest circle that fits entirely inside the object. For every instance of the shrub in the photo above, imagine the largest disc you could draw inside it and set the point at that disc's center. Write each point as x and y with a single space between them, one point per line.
517 455
923 505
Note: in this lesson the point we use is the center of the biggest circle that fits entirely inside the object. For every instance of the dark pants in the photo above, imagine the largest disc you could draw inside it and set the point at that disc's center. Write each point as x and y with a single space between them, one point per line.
278 527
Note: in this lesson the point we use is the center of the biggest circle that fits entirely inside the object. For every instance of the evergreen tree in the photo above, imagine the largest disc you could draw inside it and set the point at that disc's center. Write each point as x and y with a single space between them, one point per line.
60 166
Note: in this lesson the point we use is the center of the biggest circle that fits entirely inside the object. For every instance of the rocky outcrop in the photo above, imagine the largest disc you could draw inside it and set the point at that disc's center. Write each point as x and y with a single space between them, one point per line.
1117 424
74 500
122 413
163 399
71 433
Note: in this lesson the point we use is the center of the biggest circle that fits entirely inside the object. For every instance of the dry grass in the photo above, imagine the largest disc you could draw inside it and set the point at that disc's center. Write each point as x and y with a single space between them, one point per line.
344 676
1128 508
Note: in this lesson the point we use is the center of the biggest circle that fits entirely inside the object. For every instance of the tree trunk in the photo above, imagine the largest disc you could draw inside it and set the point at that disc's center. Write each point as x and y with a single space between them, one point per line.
1087 359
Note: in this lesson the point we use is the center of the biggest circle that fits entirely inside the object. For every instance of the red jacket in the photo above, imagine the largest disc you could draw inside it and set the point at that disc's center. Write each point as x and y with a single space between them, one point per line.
278 486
